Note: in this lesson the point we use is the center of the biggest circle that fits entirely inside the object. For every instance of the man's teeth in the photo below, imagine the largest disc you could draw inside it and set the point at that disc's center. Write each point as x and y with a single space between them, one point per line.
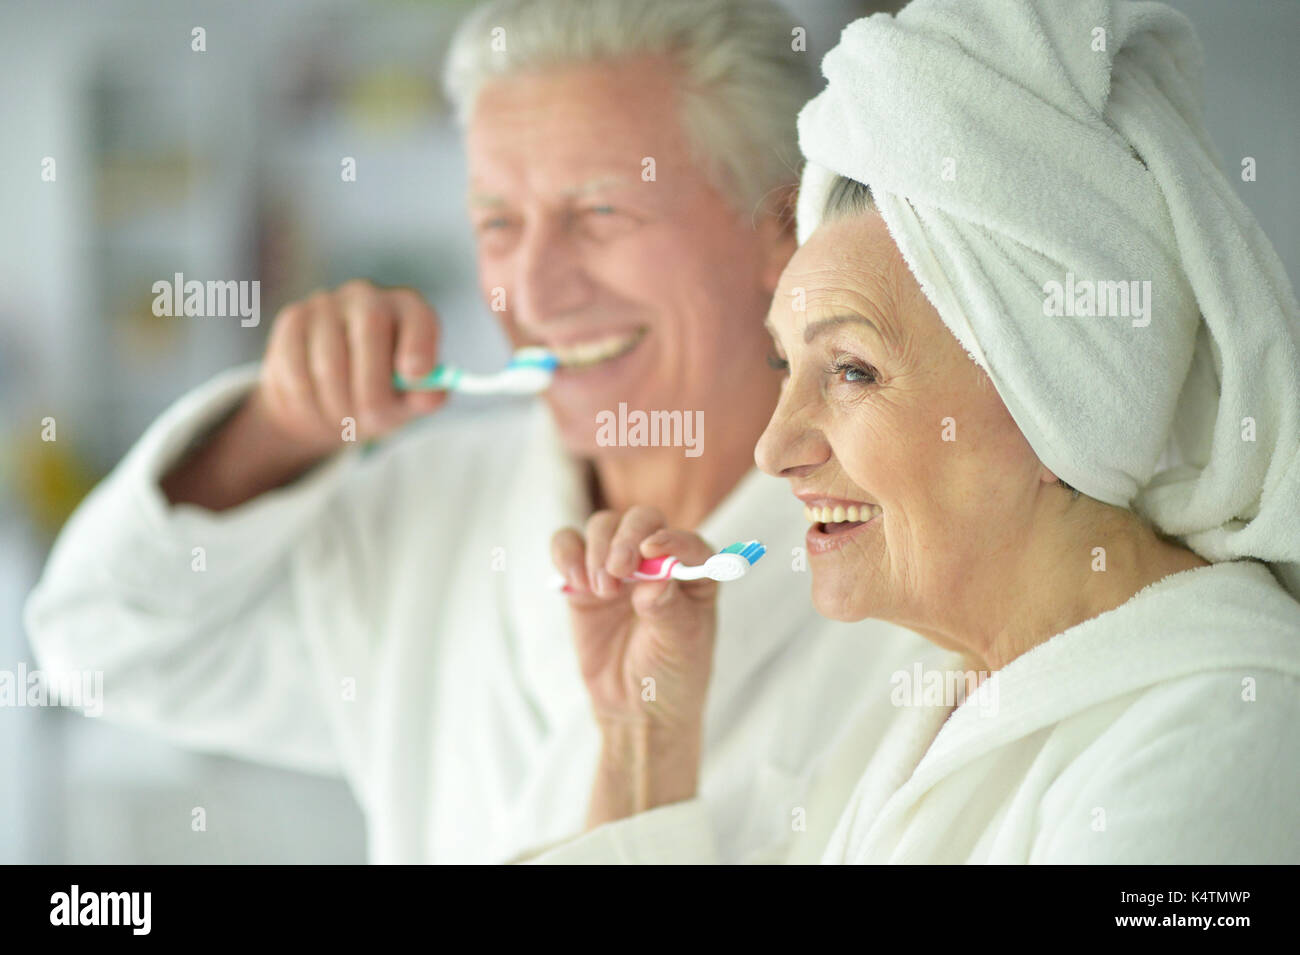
838 515
598 349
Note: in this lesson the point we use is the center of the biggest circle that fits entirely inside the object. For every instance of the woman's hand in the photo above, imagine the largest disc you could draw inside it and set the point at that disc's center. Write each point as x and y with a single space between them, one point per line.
645 651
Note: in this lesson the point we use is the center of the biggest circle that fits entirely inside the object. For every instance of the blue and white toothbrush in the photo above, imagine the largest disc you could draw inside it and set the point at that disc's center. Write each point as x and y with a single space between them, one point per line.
730 563
530 371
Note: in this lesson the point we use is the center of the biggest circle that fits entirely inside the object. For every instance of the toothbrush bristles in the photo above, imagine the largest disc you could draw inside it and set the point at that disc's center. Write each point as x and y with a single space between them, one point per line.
750 550
534 358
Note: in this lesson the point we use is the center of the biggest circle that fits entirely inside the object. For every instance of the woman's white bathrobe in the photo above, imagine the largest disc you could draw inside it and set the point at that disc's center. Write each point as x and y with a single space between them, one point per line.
1164 731
387 618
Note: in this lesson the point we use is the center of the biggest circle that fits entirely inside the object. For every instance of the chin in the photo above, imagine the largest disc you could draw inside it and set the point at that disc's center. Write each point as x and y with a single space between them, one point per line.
577 431
843 602
834 605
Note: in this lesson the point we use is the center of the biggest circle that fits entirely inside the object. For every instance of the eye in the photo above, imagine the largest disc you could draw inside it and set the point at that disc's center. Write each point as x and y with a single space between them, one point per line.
854 373
604 221
495 223
777 363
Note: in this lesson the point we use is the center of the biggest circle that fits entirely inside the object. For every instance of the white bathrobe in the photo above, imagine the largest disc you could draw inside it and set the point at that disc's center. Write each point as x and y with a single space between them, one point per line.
387 618
1164 731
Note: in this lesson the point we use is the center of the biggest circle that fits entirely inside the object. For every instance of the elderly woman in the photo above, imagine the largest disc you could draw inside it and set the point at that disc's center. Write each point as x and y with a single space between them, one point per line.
1096 513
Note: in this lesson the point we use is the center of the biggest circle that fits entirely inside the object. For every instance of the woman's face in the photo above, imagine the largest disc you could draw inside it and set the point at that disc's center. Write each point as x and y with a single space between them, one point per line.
881 410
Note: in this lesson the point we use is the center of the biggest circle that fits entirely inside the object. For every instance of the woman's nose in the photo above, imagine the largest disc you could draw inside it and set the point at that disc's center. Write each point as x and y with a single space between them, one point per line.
790 446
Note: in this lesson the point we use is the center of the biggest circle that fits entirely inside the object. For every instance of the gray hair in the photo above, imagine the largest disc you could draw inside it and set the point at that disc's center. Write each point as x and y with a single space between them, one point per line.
742 80
847 197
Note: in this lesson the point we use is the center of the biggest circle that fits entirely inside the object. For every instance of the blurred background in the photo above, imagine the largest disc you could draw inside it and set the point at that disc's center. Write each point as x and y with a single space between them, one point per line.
226 164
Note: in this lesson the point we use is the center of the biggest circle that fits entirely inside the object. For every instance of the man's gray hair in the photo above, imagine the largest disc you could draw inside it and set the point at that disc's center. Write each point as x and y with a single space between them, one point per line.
742 80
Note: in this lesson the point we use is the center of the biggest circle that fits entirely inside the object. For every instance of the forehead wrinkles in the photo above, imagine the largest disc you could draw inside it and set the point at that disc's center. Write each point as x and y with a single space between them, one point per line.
513 157
615 108
851 285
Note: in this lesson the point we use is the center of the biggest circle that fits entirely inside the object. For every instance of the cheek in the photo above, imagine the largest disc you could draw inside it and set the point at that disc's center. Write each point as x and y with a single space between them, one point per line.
706 269
494 273
892 447
631 271
993 468
874 439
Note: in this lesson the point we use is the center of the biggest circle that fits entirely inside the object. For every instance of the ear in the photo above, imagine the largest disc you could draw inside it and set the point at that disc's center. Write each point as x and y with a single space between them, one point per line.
775 224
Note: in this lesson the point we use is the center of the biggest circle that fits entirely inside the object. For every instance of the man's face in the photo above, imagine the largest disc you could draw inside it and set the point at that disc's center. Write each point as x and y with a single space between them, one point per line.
611 247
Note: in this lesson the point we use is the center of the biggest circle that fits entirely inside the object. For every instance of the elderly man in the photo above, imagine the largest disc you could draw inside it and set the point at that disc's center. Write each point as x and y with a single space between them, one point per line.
250 584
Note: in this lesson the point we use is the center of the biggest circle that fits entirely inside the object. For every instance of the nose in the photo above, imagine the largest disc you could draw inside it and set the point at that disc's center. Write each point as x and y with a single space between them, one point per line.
550 279
791 445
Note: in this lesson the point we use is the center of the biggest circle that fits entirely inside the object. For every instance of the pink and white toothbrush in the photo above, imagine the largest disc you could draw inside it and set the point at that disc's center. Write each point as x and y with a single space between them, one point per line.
730 563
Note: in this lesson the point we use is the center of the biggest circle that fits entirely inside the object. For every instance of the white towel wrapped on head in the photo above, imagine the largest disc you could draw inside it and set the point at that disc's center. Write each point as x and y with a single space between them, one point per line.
1020 150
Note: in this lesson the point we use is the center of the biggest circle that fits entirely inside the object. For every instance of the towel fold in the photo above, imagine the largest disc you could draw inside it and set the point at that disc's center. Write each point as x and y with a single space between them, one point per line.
1044 169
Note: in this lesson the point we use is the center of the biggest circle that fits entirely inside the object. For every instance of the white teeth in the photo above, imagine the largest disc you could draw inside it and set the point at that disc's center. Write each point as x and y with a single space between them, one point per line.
598 350
839 514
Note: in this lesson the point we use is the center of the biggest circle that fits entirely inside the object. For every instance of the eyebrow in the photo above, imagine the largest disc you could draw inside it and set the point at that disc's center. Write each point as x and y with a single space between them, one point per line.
581 189
595 185
813 329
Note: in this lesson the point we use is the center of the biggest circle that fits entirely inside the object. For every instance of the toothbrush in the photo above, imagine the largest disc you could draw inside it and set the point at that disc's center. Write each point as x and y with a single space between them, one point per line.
730 563
529 372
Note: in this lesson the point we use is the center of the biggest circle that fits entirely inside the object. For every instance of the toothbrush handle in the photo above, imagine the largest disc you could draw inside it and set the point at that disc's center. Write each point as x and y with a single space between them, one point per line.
442 378
652 568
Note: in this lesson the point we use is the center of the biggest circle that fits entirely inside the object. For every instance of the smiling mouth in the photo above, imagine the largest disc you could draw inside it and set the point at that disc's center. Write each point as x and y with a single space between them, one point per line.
840 519
598 350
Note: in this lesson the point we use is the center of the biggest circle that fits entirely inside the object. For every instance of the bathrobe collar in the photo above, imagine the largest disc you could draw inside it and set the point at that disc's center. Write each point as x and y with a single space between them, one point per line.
1227 615
1166 631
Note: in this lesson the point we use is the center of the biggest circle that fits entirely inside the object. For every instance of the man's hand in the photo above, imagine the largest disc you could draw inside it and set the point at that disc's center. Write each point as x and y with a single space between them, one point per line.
646 653
330 357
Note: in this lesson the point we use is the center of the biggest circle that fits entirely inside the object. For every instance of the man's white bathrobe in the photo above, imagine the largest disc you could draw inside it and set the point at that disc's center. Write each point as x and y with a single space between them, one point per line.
1164 731
387 618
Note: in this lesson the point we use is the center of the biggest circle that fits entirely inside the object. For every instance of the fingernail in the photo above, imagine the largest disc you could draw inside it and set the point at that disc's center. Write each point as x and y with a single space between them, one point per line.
656 538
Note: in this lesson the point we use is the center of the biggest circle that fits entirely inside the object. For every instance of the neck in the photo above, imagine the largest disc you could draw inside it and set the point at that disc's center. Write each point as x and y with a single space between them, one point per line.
1060 583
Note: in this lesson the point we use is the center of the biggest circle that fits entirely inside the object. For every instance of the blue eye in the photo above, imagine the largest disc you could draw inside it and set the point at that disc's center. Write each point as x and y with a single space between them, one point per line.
602 210
855 374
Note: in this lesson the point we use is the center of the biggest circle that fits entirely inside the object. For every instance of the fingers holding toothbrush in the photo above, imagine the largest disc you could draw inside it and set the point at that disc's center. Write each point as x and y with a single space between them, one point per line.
619 551
645 651
626 631
325 383
332 356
